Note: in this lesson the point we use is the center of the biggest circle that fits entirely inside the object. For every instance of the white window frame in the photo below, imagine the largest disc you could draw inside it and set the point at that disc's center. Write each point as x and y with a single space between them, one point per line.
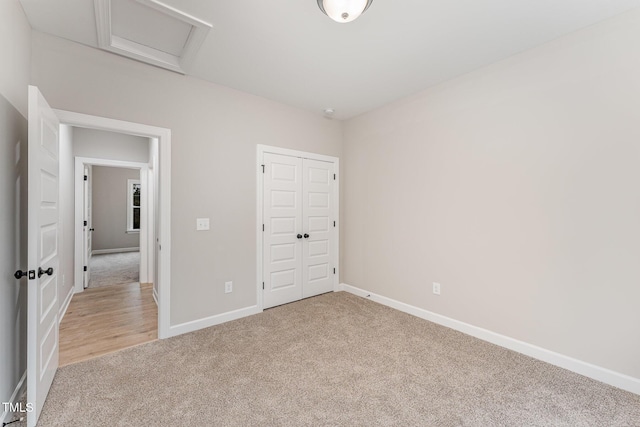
130 207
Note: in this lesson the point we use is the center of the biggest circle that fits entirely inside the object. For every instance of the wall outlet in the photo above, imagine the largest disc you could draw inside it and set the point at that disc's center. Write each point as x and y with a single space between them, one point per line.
228 287
436 288
202 224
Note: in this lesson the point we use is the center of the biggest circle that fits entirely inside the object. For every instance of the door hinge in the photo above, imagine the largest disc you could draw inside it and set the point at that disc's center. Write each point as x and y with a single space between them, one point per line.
334 270
263 286
85 223
262 168
334 223
334 176
85 268
263 227
86 178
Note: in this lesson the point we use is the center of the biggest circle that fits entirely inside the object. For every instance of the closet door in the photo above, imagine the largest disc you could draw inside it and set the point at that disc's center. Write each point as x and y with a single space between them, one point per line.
282 248
317 268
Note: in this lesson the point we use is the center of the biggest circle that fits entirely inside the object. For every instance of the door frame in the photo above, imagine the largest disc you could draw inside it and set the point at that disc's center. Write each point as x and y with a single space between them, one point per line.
163 260
146 210
260 151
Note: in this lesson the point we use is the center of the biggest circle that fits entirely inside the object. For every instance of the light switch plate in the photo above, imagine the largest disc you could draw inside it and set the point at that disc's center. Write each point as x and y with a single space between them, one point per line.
202 224
436 288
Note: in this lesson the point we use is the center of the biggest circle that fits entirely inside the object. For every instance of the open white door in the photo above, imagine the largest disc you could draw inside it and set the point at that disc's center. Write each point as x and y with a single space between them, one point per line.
43 254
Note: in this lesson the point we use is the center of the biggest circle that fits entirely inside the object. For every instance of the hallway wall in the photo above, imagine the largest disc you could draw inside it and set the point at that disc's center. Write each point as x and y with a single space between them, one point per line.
15 54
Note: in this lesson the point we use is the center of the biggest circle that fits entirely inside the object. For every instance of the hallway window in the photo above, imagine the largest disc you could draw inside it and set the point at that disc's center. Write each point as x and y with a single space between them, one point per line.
133 205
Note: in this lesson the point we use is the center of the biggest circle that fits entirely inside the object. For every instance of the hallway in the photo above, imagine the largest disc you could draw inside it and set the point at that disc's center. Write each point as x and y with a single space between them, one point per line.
107 319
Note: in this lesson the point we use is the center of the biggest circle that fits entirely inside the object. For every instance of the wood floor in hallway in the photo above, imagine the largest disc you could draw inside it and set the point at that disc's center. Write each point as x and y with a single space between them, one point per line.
107 319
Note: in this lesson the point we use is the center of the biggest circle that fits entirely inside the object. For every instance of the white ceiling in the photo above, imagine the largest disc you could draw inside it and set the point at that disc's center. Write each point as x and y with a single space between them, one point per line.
159 31
288 51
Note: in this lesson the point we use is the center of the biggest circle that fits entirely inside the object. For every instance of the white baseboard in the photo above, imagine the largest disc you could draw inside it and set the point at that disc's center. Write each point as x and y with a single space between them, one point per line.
15 397
194 325
65 304
598 373
155 295
114 251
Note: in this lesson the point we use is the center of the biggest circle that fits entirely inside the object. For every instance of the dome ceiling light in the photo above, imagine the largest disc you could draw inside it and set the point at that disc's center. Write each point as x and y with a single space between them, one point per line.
344 11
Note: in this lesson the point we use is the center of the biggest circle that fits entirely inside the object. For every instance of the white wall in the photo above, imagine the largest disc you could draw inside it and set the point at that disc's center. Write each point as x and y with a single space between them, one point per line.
102 144
515 187
15 53
109 208
214 135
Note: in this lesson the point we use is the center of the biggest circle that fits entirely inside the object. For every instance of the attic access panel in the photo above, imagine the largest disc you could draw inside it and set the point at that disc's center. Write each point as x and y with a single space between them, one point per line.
150 31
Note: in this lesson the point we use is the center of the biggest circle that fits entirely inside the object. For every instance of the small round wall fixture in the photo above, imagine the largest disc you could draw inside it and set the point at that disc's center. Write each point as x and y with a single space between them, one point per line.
344 11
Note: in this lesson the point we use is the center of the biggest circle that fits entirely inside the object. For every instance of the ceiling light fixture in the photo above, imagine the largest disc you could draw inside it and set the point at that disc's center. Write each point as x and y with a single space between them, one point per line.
344 10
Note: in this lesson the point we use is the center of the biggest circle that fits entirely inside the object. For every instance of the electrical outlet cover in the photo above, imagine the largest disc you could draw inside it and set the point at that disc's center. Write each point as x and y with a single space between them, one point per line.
202 224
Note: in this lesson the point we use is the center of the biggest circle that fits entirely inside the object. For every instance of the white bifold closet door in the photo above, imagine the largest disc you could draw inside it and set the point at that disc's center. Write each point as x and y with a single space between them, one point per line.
298 228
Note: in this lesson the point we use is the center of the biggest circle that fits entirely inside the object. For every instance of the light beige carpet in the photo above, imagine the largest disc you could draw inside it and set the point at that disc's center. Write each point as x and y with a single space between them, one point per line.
114 269
332 360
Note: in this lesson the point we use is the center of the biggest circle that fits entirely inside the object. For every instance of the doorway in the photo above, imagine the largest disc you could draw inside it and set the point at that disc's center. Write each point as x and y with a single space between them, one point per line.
115 231
112 207
113 305
159 167
298 197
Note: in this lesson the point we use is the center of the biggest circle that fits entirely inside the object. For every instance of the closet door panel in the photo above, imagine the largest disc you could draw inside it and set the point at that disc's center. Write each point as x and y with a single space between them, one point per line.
282 251
317 267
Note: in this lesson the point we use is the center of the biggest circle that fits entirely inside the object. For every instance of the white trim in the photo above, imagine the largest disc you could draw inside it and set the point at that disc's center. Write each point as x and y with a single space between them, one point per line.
163 281
260 151
15 396
65 304
131 207
217 319
121 46
295 153
114 251
597 373
259 222
155 295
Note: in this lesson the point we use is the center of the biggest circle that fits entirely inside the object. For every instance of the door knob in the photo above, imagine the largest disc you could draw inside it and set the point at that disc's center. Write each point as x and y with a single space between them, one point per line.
48 271
299 236
20 274
92 229
306 236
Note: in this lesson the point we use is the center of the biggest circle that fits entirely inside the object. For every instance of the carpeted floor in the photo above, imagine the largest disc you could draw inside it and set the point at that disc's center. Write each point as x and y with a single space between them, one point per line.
332 360
114 269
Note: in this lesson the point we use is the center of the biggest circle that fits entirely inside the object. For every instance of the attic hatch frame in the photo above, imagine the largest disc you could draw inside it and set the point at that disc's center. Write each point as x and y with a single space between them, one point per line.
131 49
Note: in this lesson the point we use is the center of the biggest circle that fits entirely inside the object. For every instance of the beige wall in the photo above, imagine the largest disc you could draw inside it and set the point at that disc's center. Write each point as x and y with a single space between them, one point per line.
109 209
516 188
214 135
100 144
15 52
